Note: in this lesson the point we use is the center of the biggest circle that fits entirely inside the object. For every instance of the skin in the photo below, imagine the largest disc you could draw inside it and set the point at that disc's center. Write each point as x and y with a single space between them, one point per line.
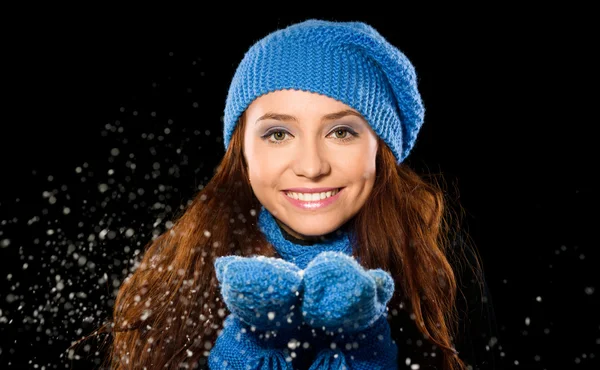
308 152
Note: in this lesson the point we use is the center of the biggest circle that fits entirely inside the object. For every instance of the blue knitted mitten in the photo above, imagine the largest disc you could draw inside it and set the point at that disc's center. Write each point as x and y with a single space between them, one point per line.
261 291
238 347
340 293
349 302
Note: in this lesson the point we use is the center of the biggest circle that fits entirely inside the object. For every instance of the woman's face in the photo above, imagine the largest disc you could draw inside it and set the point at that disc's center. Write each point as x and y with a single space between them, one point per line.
298 139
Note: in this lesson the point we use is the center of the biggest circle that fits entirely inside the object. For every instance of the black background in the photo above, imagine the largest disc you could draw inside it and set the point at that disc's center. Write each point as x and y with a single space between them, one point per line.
509 123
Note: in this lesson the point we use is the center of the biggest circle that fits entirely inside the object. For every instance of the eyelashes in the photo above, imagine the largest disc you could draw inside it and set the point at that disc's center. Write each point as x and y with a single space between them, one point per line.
351 135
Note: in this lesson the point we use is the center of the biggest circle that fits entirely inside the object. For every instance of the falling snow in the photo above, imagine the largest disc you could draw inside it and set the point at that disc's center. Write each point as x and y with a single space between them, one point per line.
71 252
75 250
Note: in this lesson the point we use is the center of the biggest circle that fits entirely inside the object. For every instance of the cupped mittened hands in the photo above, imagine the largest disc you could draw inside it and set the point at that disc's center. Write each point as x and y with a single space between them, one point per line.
333 292
261 291
340 293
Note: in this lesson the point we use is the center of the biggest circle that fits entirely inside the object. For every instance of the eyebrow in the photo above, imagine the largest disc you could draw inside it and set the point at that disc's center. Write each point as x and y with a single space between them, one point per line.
327 117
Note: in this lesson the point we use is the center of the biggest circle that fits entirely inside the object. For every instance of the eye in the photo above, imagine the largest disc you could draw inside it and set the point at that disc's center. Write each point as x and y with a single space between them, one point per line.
279 135
339 133
343 134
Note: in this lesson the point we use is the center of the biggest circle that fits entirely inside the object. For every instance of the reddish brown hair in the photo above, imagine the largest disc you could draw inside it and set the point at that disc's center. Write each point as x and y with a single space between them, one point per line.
168 310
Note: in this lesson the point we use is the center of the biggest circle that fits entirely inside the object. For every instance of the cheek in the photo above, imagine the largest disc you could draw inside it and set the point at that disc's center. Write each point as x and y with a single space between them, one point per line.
261 168
264 164
360 164
251 155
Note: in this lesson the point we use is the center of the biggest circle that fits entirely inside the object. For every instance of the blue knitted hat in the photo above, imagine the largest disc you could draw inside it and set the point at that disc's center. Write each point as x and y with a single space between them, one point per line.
347 61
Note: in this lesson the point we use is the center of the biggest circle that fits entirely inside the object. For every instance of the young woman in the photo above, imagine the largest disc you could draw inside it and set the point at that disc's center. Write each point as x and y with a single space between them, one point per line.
313 245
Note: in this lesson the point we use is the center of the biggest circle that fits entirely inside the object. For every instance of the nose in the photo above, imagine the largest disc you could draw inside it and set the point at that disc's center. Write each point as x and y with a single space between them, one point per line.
311 160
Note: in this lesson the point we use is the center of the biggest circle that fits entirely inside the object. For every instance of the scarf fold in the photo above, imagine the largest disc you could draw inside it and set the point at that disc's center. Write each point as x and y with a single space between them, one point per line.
296 251
238 347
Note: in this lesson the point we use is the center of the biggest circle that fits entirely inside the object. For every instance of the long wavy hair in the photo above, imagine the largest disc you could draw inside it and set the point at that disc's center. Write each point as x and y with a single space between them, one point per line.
168 310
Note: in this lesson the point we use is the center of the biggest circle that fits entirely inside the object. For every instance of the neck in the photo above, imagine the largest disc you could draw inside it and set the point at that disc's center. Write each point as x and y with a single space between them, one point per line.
301 251
310 240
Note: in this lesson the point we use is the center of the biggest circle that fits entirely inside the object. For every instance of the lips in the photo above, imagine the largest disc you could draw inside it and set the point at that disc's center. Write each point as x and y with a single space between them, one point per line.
307 197
313 205
311 190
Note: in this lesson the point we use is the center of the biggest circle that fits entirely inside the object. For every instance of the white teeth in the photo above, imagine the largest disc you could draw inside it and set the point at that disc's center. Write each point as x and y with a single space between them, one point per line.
312 196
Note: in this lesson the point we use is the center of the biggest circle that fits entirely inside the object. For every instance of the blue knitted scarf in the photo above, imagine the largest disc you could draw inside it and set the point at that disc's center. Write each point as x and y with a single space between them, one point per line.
296 251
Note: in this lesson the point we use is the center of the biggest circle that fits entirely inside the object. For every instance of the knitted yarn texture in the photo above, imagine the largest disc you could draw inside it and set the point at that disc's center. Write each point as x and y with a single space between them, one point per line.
300 255
347 61
332 304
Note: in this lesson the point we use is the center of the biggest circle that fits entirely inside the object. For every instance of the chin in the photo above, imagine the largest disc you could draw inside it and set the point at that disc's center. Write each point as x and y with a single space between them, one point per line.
311 229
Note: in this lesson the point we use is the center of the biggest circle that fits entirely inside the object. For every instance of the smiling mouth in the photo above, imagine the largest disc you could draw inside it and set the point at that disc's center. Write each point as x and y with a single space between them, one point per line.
312 197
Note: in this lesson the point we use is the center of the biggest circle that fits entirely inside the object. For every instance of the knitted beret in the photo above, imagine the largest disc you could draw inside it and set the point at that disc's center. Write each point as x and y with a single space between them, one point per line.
347 61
